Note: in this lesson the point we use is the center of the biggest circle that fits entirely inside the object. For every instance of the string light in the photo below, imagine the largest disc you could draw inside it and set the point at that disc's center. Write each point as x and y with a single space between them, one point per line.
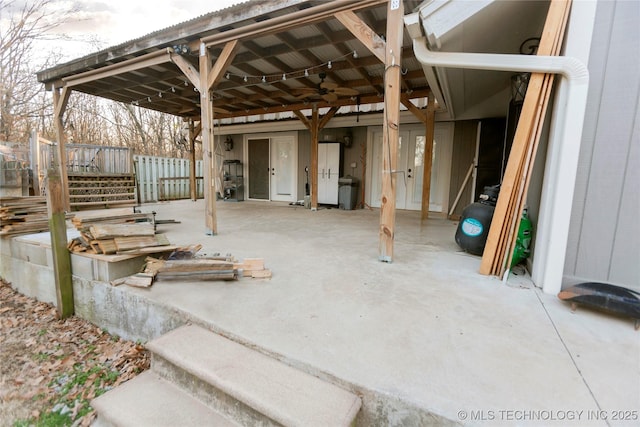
265 79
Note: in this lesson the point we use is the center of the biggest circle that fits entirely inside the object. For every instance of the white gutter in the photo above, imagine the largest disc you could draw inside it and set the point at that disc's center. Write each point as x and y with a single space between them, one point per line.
564 145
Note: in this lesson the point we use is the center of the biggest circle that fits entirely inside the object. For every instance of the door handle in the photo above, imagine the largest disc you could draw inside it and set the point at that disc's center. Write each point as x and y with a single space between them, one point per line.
329 177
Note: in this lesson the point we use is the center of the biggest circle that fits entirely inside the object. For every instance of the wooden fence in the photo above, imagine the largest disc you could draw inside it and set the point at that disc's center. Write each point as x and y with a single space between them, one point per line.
164 178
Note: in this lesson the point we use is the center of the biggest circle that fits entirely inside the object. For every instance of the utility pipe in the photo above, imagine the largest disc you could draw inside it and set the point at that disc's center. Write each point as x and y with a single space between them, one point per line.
565 136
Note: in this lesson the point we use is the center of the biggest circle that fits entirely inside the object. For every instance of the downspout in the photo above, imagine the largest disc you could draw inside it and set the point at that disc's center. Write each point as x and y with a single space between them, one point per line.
564 145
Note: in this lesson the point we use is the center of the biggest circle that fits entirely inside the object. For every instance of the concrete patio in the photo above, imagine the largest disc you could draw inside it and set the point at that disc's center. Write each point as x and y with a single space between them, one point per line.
424 340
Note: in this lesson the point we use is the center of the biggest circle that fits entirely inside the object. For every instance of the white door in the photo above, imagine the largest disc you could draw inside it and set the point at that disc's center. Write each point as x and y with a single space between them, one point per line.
410 168
283 166
328 173
271 164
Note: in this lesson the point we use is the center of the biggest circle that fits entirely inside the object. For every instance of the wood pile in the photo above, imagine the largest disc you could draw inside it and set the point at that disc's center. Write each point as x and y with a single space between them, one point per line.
117 231
22 215
513 191
197 268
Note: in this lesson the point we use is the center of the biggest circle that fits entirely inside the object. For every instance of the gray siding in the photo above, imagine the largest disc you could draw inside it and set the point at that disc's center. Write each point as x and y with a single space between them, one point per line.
604 243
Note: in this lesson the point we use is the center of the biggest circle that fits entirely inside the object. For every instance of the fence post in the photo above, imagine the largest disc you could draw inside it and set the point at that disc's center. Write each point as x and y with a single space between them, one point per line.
61 257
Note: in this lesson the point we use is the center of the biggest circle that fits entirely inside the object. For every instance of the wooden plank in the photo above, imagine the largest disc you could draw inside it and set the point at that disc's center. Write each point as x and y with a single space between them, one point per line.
261 274
249 265
505 215
124 244
150 250
110 231
139 280
390 129
202 264
106 246
510 238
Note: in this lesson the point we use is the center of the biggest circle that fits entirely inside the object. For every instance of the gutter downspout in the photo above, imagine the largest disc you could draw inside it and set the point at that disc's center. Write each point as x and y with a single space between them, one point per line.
565 136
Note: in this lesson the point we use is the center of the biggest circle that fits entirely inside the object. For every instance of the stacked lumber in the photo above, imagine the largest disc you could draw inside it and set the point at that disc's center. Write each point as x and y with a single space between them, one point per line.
117 231
21 215
513 191
197 268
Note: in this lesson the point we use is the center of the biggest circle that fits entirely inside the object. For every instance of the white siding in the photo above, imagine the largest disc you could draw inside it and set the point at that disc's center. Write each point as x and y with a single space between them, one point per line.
604 236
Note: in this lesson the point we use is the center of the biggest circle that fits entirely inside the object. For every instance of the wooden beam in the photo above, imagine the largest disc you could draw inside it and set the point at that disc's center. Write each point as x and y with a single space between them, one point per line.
208 151
60 101
61 257
390 129
303 119
362 32
428 156
187 69
321 12
315 131
325 119
420 114
144 61
222 63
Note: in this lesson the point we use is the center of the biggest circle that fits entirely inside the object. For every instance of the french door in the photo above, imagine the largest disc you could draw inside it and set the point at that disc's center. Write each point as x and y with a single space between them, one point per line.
410 168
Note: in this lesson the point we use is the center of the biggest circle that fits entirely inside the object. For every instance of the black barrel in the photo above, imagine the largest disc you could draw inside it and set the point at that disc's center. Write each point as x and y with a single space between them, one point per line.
473 228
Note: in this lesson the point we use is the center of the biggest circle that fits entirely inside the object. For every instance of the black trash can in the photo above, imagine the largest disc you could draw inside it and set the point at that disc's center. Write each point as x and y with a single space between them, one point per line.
347 192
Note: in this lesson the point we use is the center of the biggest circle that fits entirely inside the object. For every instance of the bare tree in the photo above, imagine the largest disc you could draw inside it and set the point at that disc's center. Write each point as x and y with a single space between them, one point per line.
25 105
21 27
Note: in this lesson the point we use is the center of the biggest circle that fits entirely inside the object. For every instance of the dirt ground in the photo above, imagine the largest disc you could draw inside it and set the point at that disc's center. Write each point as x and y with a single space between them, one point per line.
50 369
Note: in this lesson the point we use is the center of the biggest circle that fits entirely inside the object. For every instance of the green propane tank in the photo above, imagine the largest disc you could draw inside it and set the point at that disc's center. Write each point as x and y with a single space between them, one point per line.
523 241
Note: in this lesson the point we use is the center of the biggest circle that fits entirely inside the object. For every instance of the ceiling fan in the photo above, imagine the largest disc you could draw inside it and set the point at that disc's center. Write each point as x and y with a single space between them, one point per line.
325 90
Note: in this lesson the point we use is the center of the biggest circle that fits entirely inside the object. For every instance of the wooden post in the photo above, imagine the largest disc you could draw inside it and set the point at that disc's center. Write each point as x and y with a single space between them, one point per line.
428 156
60 99
61 257
314 127
34 161
315 130
192 162
390 128
208 152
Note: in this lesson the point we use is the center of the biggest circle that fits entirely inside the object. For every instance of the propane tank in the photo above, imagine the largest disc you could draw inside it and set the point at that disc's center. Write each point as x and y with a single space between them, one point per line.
473 228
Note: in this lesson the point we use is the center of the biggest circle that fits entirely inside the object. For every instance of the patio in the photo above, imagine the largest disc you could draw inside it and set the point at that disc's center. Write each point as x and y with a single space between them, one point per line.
424 340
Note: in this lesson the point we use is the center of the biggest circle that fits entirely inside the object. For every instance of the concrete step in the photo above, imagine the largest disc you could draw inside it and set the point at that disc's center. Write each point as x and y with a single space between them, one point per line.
247 386
149 400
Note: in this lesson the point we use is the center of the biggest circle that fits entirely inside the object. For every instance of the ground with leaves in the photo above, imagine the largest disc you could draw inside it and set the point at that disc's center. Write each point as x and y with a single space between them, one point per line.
50 369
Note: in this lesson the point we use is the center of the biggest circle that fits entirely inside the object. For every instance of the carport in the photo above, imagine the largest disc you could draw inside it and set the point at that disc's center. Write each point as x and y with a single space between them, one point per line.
255 59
